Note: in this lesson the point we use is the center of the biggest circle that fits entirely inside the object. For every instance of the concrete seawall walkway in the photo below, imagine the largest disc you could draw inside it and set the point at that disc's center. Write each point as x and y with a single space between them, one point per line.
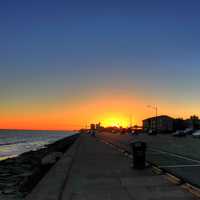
99 172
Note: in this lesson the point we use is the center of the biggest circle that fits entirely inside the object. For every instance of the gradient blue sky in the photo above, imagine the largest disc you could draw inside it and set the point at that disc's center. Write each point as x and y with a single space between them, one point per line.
57 54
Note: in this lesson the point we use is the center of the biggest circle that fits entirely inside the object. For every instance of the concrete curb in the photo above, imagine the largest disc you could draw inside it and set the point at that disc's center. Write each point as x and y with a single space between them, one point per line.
195 191
52 184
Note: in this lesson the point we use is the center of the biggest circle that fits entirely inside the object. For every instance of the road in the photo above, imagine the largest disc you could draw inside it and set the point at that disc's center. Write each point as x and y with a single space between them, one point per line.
179 156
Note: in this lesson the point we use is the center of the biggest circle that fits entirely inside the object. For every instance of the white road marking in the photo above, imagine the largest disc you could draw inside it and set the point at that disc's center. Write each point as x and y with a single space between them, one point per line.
174 166
175 155
154 150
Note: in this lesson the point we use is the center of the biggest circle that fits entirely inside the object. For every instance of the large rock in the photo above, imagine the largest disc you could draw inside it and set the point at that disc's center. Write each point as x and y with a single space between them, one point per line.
29 182
51 158
9 191
20 174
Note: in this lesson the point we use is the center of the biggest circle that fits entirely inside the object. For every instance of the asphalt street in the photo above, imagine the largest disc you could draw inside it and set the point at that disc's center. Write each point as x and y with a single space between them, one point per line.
179 156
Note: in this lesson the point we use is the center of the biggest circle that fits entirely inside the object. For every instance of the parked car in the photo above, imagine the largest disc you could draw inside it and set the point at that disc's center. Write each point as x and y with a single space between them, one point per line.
179 133
196 134
152 132
188 131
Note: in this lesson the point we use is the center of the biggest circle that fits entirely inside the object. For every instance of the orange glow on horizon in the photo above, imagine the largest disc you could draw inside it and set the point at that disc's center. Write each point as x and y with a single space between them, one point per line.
110 110
115 121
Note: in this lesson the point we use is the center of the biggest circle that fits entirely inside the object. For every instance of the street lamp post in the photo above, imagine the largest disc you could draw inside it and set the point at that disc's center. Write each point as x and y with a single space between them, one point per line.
131 121
156 110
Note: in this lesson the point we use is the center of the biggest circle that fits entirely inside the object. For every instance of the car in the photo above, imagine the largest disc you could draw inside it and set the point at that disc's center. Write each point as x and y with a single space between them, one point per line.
188 131
179 133
196 134
152 132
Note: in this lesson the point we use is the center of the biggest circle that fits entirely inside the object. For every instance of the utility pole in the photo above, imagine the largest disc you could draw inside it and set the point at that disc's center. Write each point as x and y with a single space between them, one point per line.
131 121
86 125
156 108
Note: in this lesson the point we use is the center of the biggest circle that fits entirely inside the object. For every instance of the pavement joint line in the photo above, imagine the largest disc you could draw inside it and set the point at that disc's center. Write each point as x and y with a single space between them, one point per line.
76 146
52 183
117 148
180 166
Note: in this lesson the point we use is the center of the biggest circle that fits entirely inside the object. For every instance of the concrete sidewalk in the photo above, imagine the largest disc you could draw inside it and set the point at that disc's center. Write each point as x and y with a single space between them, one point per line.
99 172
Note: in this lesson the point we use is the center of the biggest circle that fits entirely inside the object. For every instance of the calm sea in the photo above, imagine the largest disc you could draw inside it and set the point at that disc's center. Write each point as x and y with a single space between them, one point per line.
15 142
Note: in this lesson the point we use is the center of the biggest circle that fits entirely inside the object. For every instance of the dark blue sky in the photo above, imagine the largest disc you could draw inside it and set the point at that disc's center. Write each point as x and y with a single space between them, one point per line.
55 49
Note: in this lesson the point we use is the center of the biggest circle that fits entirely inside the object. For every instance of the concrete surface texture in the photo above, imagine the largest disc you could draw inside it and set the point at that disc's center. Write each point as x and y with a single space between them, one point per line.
99 172
167 152
52 184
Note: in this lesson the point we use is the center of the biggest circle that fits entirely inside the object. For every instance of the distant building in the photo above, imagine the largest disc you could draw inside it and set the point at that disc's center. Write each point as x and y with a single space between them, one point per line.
98 126
180 124
160 124
92 126
193 122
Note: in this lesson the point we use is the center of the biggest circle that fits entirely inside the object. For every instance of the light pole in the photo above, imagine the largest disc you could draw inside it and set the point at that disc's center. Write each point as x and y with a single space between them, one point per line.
156 110
131 121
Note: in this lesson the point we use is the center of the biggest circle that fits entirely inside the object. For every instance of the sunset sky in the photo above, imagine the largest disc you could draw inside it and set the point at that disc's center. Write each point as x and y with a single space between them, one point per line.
65 64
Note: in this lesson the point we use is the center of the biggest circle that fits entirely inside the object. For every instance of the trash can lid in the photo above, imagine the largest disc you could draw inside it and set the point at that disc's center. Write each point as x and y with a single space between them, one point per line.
138 143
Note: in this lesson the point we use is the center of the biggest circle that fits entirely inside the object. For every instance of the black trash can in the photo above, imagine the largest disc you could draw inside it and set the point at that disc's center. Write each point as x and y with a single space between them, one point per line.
139 154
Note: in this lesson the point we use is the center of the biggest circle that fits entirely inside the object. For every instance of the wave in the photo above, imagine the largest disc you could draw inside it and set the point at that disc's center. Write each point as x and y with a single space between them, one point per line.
11 143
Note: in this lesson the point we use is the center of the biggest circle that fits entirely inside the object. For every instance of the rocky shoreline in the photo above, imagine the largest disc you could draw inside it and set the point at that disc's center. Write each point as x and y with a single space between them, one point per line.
19 175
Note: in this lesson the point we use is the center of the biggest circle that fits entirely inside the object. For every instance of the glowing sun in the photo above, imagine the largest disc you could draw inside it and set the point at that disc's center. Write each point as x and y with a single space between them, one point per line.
115 121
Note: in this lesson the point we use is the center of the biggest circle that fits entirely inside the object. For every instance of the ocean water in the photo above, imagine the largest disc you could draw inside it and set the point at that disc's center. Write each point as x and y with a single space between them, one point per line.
16 142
